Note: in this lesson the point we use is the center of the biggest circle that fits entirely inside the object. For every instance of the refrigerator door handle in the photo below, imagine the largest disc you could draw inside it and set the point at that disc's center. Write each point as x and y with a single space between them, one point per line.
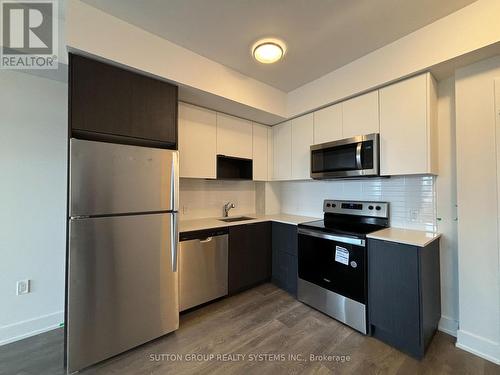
174 235
174 182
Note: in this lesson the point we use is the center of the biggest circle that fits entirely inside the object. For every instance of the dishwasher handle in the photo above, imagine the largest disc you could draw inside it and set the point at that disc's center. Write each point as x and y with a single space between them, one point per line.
202 235
208 239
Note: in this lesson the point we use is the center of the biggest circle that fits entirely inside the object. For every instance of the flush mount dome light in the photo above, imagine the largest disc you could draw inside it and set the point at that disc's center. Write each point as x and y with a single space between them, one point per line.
268 51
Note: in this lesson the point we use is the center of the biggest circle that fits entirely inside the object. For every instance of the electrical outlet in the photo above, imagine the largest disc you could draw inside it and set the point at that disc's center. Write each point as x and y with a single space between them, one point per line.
23 287
413 214
185 210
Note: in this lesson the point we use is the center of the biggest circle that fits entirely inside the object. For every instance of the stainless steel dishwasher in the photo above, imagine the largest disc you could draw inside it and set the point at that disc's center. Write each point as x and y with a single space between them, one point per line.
203 262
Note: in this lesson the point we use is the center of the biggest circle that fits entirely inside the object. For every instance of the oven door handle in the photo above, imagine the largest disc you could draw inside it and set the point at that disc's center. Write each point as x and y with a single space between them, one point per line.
331 237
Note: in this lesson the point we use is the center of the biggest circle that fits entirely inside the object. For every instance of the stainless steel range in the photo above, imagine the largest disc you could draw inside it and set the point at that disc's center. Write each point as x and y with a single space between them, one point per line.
332 274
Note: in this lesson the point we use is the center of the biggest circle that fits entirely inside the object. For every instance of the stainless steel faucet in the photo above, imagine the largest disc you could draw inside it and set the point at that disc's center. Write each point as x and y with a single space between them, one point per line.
227 207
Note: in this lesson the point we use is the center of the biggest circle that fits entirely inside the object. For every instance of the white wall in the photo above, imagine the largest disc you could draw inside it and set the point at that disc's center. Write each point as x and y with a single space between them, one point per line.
33 150
267 198
411 198
446 196
205 198
477 191
468 29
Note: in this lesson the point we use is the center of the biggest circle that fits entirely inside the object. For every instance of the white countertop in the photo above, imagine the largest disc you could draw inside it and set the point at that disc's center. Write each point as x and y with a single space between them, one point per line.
209 223
406 236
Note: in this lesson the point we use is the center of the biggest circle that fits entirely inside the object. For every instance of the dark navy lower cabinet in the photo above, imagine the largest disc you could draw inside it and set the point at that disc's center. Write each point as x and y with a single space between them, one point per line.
249 262
284 245
404 298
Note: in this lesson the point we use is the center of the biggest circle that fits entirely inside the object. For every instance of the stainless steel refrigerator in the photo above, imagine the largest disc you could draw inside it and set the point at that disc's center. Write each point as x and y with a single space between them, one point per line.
122 280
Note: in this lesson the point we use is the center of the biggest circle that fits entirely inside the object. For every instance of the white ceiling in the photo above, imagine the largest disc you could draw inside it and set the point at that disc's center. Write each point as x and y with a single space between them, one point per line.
321 35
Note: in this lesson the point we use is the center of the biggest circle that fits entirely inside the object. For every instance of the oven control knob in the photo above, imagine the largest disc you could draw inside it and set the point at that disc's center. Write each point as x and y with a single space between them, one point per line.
378 208
354 264
334 205
328 205
370 207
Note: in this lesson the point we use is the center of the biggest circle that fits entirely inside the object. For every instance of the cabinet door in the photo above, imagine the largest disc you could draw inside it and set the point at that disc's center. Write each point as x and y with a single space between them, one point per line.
262 248
360 115
405 127
328 124
282 151
234 136
302 139
393 294
270 154
114 102
249 255
260 154
284 256
285 238
154 108
197 142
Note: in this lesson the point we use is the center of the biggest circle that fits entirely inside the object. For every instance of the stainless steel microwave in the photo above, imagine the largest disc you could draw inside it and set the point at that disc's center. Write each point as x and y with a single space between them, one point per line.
350 157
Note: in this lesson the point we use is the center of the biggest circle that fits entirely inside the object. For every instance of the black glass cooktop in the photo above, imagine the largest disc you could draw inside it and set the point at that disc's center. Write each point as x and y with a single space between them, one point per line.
355 229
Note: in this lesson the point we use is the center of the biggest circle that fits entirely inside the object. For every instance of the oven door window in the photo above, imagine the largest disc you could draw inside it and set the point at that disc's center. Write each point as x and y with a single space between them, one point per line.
323 262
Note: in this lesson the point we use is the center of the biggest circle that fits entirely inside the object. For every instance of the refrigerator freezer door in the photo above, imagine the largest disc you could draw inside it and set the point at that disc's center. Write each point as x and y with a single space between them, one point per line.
122 291
109 179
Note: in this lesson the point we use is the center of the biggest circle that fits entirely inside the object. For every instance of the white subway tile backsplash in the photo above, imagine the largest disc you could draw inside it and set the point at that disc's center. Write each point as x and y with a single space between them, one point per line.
412 198
205 198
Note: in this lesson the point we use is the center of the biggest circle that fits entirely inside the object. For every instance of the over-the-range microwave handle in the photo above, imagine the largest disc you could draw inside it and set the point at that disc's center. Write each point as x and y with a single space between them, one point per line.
359 148
174 241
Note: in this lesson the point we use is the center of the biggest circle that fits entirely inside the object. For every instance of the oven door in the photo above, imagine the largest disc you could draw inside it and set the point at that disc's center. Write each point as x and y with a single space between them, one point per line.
351 157
334 263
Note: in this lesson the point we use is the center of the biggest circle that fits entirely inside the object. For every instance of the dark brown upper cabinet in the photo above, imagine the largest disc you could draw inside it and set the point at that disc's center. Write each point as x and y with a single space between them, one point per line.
113 104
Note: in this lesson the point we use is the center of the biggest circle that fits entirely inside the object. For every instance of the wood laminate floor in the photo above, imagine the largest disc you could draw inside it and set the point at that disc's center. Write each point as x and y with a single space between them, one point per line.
263 326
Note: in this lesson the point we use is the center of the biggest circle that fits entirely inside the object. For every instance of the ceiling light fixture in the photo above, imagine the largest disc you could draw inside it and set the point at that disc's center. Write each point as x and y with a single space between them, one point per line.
268 51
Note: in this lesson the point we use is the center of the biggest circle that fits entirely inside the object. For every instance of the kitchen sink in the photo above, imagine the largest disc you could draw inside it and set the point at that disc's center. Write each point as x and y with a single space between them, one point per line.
236 218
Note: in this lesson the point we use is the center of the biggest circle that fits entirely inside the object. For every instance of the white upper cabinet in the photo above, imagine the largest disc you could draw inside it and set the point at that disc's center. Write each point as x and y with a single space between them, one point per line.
360 115
408 143
403 113
260 152
302 139
197 142
328 124
234 136
282 151
270 154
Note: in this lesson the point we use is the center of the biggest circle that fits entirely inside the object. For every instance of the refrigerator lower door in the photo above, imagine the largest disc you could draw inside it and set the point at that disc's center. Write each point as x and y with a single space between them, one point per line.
109 179
122 285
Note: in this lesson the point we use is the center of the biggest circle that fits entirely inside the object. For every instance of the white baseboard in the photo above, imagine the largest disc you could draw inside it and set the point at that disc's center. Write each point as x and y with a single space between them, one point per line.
479 346
448 325
30 327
